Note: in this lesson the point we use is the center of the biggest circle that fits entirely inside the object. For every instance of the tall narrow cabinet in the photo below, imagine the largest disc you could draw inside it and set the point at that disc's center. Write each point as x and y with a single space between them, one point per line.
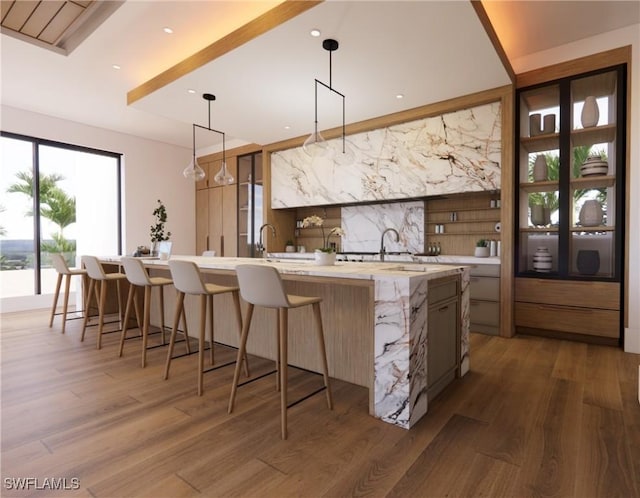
570 206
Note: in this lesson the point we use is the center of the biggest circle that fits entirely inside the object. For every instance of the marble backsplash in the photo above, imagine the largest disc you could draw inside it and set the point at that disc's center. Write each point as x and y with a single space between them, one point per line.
455 152
364 226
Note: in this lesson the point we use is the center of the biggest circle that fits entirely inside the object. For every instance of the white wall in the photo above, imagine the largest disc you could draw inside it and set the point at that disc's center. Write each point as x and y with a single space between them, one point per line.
607 41
150 171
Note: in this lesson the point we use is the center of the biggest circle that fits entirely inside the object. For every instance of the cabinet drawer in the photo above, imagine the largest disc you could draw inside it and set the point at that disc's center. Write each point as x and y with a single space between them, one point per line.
485 313
487 288
596 322
485 271
443 288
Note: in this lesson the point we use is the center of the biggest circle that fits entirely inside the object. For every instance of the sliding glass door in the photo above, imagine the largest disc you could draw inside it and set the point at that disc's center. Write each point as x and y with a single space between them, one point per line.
56 198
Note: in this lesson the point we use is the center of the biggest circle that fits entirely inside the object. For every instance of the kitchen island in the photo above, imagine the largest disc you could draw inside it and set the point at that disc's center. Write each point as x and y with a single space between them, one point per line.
377 319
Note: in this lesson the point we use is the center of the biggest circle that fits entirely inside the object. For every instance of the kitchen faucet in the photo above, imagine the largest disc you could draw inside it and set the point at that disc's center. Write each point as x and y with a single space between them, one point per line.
382 249
260 245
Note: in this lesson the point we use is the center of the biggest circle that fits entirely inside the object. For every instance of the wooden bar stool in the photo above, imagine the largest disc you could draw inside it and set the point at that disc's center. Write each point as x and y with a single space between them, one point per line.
138 277
261 285
60 264
188 280
96 274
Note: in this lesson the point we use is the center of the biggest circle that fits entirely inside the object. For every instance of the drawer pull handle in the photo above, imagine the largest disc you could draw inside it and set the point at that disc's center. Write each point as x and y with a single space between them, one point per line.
557 307
444 308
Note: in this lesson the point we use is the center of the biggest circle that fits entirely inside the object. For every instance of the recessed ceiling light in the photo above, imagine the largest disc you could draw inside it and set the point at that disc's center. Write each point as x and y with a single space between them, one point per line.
167 30
399 96
315 33
115 66
287 127
191 90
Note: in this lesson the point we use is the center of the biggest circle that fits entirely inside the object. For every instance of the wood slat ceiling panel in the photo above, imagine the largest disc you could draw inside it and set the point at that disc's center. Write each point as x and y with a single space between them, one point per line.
59 24
18 14
41 17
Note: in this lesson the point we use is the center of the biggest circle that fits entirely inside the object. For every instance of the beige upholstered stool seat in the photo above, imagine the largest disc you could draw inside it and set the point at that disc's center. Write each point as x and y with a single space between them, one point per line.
187 279
138 277
261 285
60 264
96 274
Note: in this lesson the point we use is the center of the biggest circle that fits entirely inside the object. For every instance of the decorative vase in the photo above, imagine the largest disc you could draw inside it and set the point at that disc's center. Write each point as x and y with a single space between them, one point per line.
549 124
540 170
591 214
594 166
542 260
590 112
588 261
325 258
534 124
290 248
481 252
538 217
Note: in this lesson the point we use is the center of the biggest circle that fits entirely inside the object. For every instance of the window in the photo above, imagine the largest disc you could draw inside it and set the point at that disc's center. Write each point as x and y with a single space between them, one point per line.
77 194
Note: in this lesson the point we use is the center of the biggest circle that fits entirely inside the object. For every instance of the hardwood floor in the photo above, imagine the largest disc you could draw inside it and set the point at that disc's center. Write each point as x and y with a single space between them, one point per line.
534 417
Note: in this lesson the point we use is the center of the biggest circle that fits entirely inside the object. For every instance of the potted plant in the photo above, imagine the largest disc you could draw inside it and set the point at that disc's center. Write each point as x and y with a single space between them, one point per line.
482 249
325 255
289 247
157 229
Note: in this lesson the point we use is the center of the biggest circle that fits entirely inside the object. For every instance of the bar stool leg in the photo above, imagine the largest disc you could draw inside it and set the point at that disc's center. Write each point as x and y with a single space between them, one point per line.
127 311
210 301
241 353
203 319
65 306
55 299
92 285
145 323
236 302
284 324
186 331
161 291
278 363
323 353
101 306
174 332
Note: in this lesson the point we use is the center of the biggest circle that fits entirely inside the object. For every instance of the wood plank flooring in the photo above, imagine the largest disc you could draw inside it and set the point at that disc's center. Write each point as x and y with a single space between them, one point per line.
534 417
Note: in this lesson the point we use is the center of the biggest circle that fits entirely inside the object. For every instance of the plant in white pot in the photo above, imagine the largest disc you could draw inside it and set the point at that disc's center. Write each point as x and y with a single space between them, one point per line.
325 255
482 249
157 229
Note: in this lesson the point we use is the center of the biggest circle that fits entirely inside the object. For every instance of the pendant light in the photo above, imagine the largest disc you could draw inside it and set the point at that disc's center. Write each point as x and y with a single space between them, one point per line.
315 144
193 171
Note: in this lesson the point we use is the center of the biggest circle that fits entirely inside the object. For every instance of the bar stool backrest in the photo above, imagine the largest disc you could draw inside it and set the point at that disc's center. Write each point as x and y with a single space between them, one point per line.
186 277
136 272
60 264
261 285
94 268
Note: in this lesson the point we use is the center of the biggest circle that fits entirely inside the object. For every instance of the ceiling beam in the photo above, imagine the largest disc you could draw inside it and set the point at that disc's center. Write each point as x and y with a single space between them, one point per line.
258 26
491 33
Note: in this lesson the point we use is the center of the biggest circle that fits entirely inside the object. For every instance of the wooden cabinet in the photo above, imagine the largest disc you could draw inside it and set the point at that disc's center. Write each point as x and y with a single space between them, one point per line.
443 333
216 211
570 204
485 299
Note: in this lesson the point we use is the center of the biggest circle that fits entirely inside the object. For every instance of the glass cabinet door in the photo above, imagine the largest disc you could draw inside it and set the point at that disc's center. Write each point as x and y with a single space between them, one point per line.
592 198
539 159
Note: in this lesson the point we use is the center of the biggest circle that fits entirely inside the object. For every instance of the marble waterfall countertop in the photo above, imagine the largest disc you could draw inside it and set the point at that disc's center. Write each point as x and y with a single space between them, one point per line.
400 310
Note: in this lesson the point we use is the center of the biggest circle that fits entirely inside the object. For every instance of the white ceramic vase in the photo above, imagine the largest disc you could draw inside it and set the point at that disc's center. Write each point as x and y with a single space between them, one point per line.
540 170
591 214
481 252
590 112
325 258
542 260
